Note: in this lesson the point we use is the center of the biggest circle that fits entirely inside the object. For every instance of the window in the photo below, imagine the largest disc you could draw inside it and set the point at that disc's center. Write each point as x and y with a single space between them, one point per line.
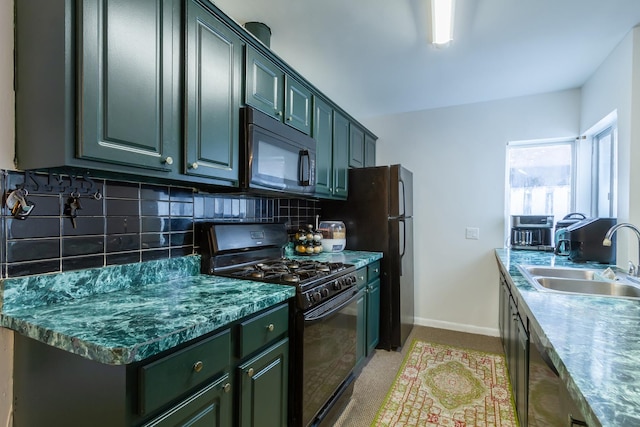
541 178
603 172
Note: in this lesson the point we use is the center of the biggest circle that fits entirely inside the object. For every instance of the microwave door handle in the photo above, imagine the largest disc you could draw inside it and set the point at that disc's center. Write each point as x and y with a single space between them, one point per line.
304 177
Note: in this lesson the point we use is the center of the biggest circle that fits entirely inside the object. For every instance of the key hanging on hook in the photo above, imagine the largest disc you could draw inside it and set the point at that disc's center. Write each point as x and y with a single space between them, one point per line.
17 203
72 207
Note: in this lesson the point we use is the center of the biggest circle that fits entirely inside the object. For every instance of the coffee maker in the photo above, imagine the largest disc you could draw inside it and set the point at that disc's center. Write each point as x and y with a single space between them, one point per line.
585 241
532 232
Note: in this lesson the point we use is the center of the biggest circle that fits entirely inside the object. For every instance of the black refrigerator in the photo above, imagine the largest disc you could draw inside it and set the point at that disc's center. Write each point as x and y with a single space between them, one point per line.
379 217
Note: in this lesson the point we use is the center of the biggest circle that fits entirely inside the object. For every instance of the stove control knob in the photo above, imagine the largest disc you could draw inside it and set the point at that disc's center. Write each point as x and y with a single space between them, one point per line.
316 296
324 292
351 280
337 285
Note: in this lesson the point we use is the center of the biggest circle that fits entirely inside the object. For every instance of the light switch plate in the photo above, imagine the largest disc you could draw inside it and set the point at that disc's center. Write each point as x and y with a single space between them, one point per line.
472 233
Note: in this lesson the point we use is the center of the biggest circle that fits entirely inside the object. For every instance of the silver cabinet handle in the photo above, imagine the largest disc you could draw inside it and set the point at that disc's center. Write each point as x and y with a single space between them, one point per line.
168 160
270 327
194 165
197 367
250 372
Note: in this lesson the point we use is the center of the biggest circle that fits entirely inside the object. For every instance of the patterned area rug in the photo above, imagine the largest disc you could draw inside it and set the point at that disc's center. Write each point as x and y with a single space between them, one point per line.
439 385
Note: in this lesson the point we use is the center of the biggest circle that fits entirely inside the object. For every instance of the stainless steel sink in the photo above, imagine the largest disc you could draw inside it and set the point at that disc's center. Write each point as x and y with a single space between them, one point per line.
564 272
592 287
580 281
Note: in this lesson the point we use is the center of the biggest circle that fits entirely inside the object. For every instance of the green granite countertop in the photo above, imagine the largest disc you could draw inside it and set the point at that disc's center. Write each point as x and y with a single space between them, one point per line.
358 258
123 314
593 341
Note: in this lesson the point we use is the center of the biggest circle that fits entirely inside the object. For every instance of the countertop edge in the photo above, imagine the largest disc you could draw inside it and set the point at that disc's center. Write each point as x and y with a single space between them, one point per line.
574 391
143 350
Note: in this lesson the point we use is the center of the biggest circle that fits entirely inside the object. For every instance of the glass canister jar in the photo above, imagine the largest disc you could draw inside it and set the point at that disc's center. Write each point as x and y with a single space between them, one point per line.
334 235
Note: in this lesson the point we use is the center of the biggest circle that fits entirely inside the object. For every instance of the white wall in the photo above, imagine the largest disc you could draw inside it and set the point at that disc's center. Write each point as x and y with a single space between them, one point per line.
614 87
458 158
6 162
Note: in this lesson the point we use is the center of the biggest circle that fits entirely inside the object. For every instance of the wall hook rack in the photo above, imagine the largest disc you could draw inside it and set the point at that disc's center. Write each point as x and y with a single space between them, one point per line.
60 182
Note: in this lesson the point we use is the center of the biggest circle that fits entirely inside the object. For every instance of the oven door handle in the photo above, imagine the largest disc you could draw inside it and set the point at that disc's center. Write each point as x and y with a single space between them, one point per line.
356 295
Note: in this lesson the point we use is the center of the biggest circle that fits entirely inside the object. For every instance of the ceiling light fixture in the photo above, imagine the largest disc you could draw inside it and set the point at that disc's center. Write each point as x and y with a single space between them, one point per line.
442 21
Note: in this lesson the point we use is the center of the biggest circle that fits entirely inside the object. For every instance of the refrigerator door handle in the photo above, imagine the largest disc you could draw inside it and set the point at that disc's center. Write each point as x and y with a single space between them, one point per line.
404 242
404 204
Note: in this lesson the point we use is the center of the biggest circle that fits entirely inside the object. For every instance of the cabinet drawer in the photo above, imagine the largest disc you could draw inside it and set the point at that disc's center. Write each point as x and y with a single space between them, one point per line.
373 270
262 329
171 376
361 277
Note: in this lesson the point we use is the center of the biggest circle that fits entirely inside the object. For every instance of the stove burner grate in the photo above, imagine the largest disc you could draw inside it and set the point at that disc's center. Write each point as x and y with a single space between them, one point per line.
287 271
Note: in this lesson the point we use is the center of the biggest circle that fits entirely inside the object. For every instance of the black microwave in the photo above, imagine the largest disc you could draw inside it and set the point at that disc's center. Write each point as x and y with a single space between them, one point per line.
276 156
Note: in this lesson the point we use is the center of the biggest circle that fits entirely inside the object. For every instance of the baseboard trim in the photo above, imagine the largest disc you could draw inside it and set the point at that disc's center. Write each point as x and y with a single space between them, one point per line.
459 327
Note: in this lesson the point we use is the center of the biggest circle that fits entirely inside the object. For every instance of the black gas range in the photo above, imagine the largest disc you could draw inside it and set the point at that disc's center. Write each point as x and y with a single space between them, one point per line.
324 316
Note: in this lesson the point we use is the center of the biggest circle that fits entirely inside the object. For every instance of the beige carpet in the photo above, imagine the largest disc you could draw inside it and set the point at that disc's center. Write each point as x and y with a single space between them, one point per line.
377 376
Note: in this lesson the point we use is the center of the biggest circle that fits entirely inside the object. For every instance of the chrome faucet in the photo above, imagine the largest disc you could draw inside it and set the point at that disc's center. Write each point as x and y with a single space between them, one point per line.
634 270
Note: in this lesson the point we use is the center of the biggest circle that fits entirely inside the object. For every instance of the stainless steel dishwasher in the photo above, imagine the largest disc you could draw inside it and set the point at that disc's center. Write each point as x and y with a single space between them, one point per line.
549 401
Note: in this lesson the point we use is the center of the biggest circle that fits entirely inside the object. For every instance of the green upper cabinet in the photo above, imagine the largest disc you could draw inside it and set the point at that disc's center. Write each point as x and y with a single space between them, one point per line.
369 150
151 90
323 134
213 74
129 83
264 84
281 96
340 155
298 105
356 146
331 132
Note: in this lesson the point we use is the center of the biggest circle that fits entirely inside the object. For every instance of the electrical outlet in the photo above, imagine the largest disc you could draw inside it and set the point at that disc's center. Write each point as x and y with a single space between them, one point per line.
472 233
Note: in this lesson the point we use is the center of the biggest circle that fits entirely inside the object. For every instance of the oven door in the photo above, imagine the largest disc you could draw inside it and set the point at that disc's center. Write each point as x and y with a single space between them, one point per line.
279 157
329 351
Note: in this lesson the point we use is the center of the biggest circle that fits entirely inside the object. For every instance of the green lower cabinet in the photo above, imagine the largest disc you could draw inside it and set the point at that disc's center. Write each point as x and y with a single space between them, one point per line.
361 344
373 315
263 382
368 330
210 407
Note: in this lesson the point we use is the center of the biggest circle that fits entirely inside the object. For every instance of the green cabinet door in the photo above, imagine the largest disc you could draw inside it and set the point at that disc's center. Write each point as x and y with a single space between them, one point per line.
369 150
373 315
361 329
264 388
340 156
213 74
210 407
264 84
298 105
356 146
129 86
323 134
522 384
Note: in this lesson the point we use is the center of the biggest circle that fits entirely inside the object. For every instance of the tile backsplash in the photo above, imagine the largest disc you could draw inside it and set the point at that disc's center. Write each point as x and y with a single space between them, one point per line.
122 222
